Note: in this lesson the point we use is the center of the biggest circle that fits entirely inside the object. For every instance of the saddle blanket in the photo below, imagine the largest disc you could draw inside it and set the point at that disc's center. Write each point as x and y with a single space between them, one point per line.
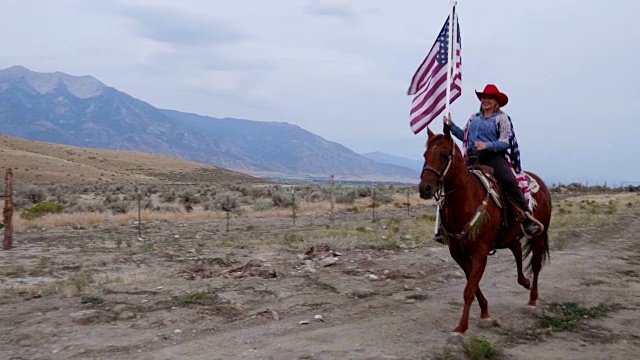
528 185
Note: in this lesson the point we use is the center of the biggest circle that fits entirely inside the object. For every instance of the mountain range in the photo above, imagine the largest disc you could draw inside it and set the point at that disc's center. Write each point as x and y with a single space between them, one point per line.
82 111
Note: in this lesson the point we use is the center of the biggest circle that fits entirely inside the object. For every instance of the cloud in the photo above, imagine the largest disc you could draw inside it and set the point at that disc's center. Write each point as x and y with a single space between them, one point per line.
341 10
180 28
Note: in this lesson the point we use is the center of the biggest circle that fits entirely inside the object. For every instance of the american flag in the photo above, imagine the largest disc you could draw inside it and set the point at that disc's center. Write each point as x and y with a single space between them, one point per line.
429 83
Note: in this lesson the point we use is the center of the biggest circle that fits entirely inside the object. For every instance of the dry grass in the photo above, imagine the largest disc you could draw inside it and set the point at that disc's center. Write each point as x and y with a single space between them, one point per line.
572 216
88 219
598 210
49 162
75 284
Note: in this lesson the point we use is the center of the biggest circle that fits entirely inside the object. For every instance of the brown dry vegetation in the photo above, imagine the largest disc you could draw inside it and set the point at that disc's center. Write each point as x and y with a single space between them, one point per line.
43 162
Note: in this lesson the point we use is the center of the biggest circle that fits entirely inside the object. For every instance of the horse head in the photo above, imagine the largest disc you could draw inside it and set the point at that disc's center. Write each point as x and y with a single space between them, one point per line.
439 157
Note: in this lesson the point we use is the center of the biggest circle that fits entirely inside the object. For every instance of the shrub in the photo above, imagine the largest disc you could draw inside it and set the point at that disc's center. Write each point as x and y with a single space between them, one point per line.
315 196
383 197
34 194
345 196
282 197
263 204
84 207
120 207
225 201
188 197
168 197
41 209
363 191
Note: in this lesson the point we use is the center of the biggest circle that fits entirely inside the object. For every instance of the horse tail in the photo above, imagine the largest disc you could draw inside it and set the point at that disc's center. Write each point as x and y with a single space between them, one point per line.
545 256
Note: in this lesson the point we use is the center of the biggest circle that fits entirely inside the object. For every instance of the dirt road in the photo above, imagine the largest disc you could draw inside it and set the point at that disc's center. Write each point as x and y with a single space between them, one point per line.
192 292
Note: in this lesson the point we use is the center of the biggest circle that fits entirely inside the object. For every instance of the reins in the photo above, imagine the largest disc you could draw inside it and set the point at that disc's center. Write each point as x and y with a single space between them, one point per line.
440 197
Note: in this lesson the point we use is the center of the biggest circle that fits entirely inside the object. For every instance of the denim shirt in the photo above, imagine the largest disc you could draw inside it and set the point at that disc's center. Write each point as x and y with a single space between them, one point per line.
486 130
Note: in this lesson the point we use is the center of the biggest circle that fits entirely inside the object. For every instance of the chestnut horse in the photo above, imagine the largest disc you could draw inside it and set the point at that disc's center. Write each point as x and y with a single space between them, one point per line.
465 198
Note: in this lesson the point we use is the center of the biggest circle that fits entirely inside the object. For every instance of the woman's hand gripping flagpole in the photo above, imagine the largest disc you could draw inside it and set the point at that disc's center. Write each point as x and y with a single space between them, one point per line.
450 57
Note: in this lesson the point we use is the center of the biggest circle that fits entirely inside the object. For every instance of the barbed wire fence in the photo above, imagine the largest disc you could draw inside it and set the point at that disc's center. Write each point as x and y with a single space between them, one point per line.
295 215
236 222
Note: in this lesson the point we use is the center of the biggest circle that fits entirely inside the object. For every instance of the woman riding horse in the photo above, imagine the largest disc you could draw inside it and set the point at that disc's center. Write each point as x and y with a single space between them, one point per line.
487 139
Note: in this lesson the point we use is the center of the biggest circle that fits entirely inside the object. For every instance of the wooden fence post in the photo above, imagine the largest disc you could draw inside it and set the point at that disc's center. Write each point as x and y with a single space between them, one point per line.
408 203
373 206
332 199
293 205
139 215
8 212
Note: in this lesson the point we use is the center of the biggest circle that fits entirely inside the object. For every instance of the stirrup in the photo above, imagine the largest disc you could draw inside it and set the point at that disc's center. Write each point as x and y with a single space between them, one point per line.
534 222
439 238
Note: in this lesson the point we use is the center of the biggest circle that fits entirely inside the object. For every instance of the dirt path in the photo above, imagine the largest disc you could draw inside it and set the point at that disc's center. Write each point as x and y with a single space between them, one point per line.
141 305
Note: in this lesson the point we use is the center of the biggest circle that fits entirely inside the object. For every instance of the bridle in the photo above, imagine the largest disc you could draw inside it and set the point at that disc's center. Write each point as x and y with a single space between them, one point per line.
440 174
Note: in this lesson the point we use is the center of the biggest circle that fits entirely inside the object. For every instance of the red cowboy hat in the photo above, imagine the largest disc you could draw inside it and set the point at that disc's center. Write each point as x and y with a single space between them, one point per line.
492 90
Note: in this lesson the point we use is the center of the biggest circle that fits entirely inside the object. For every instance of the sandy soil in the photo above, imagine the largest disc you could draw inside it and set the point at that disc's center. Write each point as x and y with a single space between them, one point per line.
194 291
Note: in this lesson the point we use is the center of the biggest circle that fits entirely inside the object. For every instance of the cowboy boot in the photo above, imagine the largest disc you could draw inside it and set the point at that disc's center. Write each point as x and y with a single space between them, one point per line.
439 238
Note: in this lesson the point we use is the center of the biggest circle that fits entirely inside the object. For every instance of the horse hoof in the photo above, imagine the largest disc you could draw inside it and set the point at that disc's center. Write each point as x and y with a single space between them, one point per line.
488 323
526 283
455 338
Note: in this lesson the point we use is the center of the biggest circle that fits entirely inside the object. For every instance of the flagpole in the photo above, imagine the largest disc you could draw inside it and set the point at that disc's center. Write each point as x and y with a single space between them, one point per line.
452 4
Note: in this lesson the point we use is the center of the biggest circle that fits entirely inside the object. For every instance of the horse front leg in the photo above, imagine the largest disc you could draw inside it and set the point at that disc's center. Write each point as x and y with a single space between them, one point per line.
516 249
478 264
464 261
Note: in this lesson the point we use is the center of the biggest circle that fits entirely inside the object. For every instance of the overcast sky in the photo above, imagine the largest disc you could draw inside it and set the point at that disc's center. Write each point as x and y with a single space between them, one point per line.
340 69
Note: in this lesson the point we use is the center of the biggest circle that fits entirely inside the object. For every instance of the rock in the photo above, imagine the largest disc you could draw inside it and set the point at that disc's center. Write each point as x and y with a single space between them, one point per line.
319 318
410 301
335 253
276 317
308 269
84 317
328 261
304 322
126 315
455 338
372 277
176 236
177 331
488 323
406 237
119 308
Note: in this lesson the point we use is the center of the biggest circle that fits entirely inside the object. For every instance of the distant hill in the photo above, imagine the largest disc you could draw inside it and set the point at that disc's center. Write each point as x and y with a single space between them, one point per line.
394 160
35 161
82 111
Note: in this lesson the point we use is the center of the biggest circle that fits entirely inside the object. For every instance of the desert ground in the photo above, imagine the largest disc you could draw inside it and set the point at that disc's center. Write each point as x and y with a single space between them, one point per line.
361 281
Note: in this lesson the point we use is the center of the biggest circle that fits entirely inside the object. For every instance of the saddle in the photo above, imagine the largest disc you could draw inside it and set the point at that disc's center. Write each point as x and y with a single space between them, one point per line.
485 174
